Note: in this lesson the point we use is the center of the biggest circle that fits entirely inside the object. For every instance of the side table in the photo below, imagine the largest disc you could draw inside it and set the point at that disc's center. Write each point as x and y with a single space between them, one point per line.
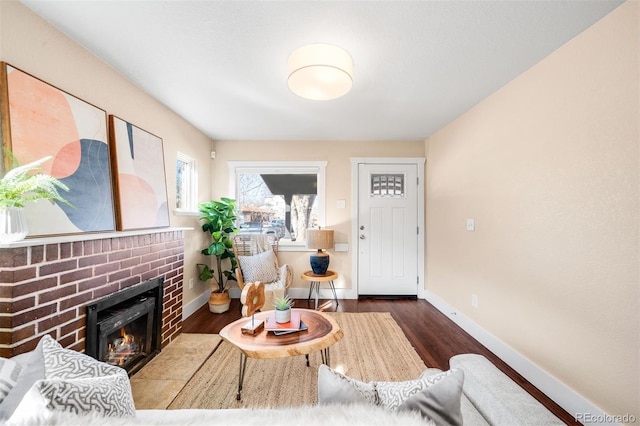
316 279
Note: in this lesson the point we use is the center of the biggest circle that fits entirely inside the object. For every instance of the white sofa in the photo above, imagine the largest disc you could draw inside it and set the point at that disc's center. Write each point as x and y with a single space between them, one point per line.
491 397
486 396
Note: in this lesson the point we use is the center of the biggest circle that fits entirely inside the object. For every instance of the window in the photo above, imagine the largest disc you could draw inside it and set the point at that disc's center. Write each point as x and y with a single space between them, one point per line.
186 184
281 198
387 185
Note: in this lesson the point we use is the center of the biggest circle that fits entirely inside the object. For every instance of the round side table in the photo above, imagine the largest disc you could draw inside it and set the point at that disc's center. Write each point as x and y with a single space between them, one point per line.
316 279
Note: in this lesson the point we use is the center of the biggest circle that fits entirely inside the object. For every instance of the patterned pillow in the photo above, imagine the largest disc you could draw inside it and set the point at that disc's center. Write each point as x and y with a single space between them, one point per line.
260 267
76 383
336 388
9 372
33 370
440 401
436 397
393 394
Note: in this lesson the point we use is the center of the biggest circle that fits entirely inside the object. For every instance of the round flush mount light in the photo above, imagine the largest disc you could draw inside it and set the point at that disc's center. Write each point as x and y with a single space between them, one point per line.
320 72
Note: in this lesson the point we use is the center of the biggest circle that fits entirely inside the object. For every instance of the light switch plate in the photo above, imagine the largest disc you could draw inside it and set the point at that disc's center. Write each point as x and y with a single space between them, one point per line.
341 247
471 225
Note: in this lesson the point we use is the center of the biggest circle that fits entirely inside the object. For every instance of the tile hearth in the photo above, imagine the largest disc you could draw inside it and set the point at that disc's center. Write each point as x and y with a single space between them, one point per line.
158 383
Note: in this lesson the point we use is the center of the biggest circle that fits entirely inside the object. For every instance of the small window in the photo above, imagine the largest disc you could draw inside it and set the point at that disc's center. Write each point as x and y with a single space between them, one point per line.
186 184
387 185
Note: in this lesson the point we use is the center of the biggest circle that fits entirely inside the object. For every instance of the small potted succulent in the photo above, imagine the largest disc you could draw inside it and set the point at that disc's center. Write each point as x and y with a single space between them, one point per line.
283 308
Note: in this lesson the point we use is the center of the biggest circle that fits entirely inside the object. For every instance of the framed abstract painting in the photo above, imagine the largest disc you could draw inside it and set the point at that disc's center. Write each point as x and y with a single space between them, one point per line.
140 181
40 120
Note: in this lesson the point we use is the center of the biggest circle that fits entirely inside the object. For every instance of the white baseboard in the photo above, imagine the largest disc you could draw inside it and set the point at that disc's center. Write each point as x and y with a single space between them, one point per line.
325 293
572 402
191 307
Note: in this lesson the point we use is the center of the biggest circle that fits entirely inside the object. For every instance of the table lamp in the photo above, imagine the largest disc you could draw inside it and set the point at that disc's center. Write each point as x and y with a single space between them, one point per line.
319 239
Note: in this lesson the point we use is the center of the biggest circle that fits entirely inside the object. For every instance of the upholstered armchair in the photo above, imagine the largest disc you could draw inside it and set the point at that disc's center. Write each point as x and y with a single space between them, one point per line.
258 261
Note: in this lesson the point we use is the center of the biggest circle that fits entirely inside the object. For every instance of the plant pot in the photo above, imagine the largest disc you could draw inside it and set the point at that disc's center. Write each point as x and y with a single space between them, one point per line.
219 302
13 224
283 316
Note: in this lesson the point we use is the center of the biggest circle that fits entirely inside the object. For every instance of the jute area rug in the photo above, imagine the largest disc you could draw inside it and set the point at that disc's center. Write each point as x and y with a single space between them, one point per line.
373 348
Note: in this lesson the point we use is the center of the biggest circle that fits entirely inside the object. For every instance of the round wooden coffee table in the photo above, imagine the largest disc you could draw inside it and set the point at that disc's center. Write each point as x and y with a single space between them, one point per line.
323 331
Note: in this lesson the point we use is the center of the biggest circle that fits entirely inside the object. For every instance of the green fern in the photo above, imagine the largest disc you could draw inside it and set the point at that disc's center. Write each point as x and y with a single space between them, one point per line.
21 185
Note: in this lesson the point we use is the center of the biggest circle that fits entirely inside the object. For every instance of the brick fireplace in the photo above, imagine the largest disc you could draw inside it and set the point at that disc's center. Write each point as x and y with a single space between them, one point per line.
46 284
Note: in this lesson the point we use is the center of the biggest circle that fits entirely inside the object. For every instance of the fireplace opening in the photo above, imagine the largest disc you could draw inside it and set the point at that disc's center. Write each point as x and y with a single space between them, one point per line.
123 329
125 333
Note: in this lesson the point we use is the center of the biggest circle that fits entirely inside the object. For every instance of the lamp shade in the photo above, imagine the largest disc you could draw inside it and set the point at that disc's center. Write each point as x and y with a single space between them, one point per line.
319 239
320 72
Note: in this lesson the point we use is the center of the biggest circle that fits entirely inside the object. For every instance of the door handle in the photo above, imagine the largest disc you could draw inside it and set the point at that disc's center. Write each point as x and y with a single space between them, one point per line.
361 237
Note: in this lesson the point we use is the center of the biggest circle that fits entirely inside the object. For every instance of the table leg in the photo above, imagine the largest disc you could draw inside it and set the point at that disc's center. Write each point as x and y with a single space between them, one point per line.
333 289
310 288
243 369
317 291
326 358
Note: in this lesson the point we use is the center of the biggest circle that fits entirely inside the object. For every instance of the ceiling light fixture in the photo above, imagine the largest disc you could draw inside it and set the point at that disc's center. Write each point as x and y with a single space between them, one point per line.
320 72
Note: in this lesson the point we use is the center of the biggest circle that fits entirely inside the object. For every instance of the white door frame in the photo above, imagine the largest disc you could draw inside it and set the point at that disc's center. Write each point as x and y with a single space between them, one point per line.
355 161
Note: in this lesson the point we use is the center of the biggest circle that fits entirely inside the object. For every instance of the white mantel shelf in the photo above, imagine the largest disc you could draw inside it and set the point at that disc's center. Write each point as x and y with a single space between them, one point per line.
30 242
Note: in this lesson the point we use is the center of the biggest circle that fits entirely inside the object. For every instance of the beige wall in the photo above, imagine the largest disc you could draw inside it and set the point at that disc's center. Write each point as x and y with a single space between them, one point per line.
548 167
31 44
337 154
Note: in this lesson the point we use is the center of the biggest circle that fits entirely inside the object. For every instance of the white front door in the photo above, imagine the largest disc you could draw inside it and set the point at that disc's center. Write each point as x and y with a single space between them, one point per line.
387 229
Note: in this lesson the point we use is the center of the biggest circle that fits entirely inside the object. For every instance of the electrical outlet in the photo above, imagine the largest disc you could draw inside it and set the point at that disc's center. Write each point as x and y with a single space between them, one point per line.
190 283
474 300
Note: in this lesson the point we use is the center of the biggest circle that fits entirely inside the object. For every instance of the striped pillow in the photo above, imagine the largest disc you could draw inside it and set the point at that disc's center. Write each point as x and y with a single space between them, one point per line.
9 372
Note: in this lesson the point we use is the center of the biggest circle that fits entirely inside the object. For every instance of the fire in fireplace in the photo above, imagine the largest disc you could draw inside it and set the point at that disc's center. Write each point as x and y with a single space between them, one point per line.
123 329
124 348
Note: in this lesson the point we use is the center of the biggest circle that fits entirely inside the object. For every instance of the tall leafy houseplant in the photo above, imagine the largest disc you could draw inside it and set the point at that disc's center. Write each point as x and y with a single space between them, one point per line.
219 217
20 185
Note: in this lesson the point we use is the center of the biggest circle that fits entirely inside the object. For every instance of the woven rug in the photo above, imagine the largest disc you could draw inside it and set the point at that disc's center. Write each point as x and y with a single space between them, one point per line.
373 348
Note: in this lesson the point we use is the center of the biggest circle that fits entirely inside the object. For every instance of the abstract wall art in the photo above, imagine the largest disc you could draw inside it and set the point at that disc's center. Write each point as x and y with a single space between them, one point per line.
39 120
140 182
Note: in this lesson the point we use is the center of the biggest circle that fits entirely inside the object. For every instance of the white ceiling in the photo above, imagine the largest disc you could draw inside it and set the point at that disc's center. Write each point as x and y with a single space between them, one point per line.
417 64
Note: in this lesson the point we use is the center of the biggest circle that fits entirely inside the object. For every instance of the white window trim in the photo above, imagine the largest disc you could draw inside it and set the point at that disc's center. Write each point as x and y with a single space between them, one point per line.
193 188
318 167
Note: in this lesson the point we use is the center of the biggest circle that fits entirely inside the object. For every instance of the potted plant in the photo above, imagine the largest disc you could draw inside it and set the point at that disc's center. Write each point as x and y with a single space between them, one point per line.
19 186
283 308
219 217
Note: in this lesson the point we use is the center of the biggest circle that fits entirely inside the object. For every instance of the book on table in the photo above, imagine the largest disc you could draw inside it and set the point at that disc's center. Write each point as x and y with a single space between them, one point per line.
303 327
293 325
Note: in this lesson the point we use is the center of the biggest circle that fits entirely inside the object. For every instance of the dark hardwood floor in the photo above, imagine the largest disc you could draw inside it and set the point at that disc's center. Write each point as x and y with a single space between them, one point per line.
434 336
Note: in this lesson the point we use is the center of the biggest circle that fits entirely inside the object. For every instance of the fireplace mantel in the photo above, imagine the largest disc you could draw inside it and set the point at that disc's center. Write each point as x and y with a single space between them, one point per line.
46 283
38 241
